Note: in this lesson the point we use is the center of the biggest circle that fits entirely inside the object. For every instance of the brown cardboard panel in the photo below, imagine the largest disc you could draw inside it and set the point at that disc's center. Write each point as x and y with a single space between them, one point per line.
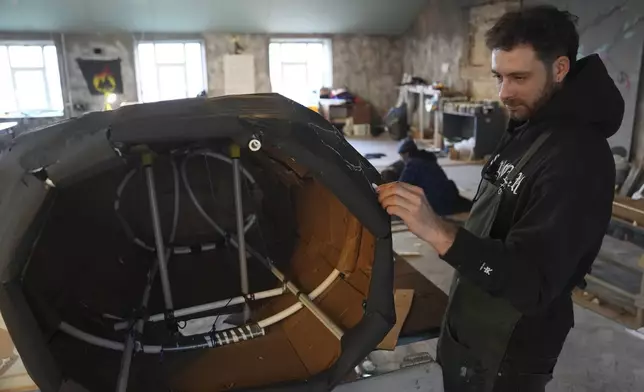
359 280
348 259
367 250
6 344
307 270
343 304
313 210
327 227
261 361
429 303
315 345
403 300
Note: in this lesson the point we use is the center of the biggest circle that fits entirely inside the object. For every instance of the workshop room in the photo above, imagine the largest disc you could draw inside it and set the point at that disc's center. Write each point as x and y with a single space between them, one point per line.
348 195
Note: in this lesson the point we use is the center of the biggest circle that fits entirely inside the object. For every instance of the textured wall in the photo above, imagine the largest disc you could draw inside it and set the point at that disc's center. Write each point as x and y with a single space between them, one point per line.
218 45
369 66
447 44
113 47
481 84
615 30
436 43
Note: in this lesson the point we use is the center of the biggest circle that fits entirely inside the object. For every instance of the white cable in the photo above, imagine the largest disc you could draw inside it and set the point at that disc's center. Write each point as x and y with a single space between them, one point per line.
177 250
298 305
113 345
223 303
184 176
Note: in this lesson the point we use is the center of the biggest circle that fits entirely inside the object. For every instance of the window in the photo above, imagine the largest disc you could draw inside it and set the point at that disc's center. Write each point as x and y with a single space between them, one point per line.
299 68
29 73
170 70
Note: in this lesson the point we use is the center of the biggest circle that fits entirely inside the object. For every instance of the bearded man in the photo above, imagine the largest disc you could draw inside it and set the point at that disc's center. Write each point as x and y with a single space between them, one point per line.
540 214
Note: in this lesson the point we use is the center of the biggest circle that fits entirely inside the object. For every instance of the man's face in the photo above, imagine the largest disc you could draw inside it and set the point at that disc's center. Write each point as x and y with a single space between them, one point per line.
524 81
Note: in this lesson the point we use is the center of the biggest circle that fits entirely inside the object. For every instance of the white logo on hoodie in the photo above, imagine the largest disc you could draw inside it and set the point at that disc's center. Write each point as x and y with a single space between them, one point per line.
505 168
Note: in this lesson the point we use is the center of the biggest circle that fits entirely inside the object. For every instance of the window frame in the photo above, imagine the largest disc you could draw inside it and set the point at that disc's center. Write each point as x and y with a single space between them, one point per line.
50 112
327 44
137 62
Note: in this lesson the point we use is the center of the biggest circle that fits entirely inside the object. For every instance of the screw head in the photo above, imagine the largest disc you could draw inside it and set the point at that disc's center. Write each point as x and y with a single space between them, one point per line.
254 145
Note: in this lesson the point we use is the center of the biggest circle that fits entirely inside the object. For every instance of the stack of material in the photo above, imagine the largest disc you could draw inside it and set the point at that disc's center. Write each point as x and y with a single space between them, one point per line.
616 283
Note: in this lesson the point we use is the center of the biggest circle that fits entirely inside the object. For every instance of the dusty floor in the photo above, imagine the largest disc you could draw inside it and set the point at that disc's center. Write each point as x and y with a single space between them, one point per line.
599 356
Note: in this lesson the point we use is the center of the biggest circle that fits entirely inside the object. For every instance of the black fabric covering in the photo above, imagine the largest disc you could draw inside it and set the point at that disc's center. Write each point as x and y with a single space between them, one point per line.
280 124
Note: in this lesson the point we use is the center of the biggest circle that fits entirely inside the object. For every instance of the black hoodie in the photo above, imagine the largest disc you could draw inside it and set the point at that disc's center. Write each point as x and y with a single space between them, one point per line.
552 219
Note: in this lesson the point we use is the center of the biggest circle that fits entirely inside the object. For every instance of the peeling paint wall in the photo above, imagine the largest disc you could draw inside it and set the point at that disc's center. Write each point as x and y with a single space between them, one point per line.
218 45
481 84
112 47
369 66
436 43
447 44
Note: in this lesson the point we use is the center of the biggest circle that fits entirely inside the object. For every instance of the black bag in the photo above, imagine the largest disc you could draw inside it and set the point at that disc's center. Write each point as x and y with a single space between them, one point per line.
396 122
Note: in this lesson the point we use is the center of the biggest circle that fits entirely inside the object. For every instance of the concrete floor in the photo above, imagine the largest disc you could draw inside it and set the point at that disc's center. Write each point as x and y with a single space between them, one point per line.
599 355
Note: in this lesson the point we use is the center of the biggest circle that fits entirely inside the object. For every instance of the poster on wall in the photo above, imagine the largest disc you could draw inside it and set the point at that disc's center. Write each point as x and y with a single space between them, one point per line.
102 76
239 74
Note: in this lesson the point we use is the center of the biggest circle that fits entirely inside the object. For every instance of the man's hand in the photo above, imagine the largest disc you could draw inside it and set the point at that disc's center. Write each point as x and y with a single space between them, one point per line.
410 204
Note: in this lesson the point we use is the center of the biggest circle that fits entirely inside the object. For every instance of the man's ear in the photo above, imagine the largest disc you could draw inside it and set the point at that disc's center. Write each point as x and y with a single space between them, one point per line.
560 68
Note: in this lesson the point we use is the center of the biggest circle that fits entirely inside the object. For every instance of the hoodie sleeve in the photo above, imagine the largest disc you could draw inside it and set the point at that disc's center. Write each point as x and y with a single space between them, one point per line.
564 221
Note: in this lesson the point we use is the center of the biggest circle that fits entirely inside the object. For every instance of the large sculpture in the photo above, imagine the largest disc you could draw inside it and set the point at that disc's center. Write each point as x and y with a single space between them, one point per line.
206 244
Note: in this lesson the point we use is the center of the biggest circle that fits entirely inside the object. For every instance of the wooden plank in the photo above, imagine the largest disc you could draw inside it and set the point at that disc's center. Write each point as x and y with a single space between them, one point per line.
429 303
402 300
629 209
599 306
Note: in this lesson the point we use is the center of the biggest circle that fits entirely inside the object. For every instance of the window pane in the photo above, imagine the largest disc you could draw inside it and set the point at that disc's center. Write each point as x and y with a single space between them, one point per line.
172 82
53 78
315 64
7 99
170 53
194 69
148 73
299 69
30 90
294 82
294 52
275 66
26 56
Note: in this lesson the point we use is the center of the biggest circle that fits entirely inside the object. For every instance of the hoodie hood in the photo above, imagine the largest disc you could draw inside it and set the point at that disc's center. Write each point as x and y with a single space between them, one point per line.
589 98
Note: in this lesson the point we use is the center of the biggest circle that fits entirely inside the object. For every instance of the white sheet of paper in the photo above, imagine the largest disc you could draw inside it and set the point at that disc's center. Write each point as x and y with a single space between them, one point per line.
239 74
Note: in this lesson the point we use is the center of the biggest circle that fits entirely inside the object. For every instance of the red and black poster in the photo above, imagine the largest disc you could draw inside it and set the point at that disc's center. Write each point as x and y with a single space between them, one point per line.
102 76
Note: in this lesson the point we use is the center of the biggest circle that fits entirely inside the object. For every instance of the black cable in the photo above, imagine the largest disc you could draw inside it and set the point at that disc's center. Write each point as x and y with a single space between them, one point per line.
214 324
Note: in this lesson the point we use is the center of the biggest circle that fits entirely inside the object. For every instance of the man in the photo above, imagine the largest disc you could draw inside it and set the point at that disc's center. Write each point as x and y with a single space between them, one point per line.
540 214
420 168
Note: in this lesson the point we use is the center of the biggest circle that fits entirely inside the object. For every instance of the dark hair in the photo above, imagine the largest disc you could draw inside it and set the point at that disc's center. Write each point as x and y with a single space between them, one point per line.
551 32
407 145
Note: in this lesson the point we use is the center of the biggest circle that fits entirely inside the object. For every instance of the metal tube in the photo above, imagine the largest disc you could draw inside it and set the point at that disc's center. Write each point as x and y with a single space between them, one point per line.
239 213
126 362
206 307
89 338
128 350
158 238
